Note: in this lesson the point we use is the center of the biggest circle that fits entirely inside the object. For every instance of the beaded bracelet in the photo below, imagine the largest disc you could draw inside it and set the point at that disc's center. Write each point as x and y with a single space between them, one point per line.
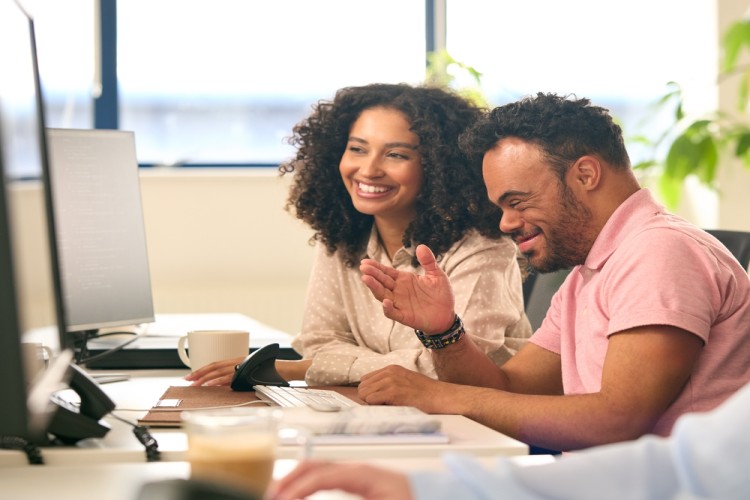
440 340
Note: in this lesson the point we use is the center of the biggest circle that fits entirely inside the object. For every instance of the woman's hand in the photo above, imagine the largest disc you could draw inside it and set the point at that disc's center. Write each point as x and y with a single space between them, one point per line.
216 373
222 372
293 369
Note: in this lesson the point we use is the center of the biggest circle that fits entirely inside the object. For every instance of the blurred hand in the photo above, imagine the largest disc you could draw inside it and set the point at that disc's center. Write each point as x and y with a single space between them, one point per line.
369 482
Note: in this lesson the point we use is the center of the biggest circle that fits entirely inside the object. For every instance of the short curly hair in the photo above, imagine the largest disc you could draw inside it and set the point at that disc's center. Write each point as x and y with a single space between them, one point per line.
565 128
452 200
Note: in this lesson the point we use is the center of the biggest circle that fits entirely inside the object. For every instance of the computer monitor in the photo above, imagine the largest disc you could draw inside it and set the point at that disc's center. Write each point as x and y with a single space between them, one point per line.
100 232
28 265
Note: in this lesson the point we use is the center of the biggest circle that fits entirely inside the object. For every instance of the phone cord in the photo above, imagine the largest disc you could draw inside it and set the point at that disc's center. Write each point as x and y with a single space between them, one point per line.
33 453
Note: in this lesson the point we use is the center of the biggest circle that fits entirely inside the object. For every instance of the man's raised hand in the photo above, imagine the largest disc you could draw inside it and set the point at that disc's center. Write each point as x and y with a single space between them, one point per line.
423 302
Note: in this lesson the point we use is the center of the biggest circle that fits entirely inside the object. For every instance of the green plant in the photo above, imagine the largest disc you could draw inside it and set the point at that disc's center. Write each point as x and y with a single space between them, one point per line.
444 71
695 145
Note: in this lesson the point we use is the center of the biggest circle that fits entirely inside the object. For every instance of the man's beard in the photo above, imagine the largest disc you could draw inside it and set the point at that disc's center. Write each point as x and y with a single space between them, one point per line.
568 239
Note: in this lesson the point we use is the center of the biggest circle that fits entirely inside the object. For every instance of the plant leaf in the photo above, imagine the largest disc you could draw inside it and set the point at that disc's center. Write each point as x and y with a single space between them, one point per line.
705 167
670 190
683 158
743 144
645 165
737 35
742 92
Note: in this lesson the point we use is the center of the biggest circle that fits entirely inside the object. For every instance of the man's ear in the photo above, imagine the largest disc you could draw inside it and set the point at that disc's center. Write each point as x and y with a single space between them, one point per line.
586 173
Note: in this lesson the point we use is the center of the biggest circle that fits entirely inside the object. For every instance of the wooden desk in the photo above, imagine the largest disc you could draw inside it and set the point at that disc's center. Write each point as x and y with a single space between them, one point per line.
137 395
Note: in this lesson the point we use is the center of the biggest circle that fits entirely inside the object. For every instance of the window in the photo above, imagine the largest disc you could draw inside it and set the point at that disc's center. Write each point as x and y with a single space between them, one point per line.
65 40
224 81
619 54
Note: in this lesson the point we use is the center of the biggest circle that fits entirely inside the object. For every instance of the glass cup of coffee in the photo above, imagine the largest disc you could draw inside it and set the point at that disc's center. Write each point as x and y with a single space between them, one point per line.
234 446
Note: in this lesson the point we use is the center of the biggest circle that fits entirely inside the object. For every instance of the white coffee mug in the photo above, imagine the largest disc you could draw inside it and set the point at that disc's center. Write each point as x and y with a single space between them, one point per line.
36 356
207 346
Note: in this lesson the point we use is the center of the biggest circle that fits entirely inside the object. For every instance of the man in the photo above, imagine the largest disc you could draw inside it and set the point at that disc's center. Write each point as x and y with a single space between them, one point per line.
707 456
651 323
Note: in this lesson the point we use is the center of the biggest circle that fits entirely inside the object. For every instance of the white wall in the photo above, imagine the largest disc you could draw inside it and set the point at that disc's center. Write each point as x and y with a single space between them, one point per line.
734 205
219 240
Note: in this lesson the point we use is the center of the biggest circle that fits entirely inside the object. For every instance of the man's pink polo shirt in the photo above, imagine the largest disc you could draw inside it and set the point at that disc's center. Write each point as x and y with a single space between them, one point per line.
649 267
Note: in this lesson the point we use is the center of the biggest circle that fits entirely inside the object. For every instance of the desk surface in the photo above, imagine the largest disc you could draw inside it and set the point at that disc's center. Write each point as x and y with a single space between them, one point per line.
136 396
123 481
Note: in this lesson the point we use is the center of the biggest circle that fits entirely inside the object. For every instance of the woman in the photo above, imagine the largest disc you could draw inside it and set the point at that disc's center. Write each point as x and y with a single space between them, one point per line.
377 171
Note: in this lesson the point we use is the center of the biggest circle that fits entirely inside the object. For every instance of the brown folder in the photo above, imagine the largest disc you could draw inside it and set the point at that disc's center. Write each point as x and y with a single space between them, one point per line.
192 398
202 397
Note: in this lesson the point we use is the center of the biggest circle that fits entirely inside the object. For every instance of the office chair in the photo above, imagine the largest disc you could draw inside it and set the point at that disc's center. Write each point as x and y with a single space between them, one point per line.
538 290
738 242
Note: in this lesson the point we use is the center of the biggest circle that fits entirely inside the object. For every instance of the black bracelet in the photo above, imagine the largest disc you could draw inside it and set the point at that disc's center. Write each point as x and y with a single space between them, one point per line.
440 340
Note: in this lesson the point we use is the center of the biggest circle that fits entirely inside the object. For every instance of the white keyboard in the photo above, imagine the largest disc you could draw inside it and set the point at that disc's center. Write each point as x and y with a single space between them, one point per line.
301 397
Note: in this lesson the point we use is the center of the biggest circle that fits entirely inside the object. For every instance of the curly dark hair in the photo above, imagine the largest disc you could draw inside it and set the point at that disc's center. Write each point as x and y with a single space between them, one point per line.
453 198
565 128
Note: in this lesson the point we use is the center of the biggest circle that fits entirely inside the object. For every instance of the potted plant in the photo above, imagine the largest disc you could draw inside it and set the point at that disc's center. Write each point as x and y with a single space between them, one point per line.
445 71
695 145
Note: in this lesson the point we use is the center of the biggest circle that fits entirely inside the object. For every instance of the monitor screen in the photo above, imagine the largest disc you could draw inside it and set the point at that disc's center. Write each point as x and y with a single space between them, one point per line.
100 229
28 266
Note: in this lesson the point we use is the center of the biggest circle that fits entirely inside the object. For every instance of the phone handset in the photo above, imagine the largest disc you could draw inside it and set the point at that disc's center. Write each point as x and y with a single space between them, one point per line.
259 368
70 423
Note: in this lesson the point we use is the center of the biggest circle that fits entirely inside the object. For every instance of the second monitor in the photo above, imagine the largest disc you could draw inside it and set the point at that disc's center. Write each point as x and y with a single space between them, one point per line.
101 233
